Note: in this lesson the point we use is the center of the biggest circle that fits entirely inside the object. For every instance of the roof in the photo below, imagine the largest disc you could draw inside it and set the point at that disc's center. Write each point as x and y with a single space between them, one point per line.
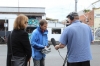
22 10
51 19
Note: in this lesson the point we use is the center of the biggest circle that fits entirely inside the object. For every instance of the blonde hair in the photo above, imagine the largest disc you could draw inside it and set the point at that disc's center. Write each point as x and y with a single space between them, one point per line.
20 22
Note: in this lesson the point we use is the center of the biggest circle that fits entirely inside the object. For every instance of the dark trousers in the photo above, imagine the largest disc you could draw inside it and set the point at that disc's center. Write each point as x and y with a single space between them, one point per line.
85 63
39 62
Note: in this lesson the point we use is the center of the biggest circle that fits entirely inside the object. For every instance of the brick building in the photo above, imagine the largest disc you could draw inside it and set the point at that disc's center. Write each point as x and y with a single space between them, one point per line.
90 18
93 21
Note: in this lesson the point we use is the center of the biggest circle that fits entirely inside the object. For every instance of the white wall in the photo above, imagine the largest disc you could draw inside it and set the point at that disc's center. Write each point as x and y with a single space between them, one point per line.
23 9
96 24
55 25
44 17
10 18
55 36
10 24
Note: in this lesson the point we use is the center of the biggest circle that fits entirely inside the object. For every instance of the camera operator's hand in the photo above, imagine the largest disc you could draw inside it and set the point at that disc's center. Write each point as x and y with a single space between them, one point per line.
57 47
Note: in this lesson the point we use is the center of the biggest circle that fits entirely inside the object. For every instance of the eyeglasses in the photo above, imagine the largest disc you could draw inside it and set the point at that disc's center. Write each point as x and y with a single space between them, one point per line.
26 22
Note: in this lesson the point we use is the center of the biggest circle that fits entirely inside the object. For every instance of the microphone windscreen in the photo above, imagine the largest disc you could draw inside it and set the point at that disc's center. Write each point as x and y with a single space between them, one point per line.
53 41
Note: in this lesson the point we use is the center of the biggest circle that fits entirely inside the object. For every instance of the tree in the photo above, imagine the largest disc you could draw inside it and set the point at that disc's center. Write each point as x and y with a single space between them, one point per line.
86 10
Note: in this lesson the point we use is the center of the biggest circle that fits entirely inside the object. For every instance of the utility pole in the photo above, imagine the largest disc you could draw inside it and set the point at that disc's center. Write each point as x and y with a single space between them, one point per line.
18 6
75 5
5 25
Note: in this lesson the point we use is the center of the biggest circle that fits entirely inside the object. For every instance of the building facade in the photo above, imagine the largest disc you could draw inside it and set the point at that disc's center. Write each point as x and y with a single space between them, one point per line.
97 24
92 18
8 15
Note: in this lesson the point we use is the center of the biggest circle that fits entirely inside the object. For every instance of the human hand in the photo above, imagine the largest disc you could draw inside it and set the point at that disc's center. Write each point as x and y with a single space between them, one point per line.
29 60
57 47
92 42
46 50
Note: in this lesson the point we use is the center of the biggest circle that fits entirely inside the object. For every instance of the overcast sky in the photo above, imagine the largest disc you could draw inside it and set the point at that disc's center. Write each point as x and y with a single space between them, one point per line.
54 8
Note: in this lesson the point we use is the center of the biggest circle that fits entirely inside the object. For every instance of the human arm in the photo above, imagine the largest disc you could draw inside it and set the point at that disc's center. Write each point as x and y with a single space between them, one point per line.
63 40
26 44
35 41
59 46
91 36
46 41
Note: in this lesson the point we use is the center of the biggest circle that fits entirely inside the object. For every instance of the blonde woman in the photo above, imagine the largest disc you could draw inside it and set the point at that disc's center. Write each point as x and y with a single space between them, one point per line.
18 42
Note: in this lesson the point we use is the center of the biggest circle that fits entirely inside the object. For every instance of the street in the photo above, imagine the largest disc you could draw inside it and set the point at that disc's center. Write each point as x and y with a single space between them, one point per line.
53 58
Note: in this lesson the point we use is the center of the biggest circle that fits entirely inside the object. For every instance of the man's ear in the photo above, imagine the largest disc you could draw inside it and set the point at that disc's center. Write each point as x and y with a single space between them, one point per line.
40 26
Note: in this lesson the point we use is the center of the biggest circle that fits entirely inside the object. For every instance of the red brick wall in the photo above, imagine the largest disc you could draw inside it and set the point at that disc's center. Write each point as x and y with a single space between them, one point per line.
90 16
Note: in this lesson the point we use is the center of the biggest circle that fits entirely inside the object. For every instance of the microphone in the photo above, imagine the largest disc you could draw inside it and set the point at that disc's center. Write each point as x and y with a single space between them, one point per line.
53 42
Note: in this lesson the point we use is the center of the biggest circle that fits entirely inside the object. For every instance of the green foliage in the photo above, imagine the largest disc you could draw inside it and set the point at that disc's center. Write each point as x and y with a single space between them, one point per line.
86 10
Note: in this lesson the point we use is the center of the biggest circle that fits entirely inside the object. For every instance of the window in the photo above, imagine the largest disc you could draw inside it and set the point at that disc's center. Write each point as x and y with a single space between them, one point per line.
33 20
30 29
56 30
2 28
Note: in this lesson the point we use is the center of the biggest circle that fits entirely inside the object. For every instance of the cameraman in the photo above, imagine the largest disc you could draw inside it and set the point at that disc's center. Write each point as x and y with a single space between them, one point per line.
78 37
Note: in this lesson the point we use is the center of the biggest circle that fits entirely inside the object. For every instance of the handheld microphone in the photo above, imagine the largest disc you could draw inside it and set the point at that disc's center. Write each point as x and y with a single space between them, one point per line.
53 42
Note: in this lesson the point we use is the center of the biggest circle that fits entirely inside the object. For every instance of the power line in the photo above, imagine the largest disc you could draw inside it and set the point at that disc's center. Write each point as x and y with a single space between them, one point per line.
95 2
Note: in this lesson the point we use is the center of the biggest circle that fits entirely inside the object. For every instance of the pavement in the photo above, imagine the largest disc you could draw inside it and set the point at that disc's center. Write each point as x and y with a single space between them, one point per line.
53 58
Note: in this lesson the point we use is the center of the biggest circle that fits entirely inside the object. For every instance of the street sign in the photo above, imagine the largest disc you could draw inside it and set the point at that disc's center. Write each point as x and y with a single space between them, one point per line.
5 25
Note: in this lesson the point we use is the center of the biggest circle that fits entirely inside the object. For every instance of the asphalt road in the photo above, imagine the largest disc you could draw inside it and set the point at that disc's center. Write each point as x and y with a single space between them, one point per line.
53 58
